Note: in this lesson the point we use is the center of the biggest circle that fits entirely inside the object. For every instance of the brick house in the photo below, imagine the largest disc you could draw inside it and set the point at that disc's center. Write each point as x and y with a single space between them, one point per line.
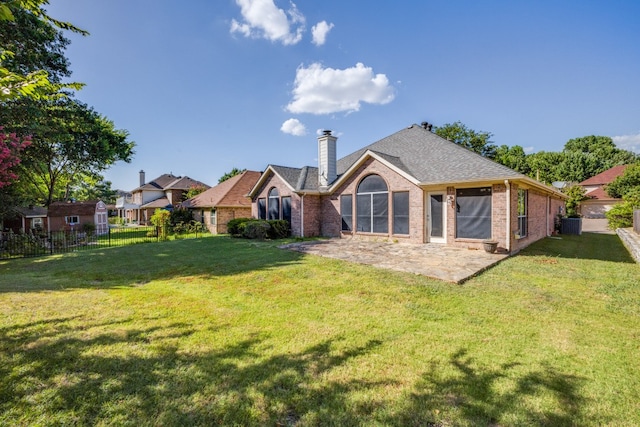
74 215
598 202
27 219
218 205
164 192
412 186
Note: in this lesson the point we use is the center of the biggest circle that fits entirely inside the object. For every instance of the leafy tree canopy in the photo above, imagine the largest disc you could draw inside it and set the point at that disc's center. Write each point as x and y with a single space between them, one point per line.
457 132
625 183
28 35
70 141
231 174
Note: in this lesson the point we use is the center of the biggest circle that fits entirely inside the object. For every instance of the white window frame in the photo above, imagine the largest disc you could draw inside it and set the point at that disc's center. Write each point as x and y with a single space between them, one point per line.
523 213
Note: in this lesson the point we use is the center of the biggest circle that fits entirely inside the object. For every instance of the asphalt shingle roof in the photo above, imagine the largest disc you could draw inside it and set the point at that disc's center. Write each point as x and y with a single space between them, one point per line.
418 152
431 159
232 192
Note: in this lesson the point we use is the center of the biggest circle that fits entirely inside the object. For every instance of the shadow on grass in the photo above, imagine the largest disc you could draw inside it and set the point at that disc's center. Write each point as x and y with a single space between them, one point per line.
138 264
140 376
482 396
602 247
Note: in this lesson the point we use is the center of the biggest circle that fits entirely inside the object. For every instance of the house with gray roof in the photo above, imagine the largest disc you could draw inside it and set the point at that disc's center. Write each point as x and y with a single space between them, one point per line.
164 192
412 186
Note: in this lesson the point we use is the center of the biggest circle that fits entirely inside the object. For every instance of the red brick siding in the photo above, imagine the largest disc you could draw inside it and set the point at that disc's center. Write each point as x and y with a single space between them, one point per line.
284 190
331 218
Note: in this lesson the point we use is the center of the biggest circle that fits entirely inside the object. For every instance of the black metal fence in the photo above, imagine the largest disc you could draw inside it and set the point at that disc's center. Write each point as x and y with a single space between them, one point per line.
22 245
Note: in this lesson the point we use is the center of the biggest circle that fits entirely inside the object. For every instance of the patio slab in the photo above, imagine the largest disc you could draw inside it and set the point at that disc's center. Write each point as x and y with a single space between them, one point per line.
430 259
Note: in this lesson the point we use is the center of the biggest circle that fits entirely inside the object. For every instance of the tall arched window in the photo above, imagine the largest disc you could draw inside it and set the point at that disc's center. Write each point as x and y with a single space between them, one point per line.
372 205
273 204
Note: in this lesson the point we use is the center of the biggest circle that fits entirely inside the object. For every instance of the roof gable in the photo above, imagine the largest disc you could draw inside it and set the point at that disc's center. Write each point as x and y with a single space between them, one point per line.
231 192
431 159
169 181
605 177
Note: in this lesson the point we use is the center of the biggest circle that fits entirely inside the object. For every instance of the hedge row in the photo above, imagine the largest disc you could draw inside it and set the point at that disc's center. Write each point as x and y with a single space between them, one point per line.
251 228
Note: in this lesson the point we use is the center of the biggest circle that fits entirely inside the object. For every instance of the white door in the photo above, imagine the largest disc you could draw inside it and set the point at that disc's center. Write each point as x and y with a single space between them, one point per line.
436 217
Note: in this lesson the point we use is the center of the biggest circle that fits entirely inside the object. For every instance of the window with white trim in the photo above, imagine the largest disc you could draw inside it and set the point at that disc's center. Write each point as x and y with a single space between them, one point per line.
262 208
401 212
72 219
523 202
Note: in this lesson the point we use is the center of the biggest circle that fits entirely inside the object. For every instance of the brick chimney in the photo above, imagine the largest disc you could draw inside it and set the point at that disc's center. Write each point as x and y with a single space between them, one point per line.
141 178
327 170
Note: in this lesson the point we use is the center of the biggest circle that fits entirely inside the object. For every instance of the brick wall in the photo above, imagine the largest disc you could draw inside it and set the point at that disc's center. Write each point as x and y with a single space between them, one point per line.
283 190
331 216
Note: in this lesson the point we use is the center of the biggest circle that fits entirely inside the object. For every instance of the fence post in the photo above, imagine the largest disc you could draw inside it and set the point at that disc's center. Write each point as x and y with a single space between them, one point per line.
109 237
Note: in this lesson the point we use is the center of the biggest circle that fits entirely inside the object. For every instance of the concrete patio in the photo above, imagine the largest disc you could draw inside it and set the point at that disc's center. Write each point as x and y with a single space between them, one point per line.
432 260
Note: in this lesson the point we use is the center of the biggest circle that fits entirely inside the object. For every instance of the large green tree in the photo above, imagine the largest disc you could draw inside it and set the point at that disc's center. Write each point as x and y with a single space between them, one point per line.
478 141
235 171
512 157
588 156
31 51
69 141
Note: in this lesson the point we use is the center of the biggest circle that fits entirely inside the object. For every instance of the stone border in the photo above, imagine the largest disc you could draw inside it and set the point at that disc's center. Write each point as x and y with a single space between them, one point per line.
631 240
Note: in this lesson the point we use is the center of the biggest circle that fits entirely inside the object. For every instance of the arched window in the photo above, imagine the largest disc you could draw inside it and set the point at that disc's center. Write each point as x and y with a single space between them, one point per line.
372 205
273 204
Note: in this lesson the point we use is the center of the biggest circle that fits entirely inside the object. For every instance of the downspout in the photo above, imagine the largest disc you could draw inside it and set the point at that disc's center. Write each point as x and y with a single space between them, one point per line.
302 215
508 243
547 214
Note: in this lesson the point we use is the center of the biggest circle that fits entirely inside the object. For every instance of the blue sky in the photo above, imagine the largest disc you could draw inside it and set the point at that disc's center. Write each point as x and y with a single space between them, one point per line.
204 86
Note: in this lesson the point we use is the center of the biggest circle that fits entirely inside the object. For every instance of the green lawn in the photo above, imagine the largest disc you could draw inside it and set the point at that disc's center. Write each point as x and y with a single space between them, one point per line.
218 331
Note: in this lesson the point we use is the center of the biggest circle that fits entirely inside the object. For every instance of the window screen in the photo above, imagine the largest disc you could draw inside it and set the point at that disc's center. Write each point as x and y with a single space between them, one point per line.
273 208
436 211
346 210
286 208
372 205
473 213
401 212
262 208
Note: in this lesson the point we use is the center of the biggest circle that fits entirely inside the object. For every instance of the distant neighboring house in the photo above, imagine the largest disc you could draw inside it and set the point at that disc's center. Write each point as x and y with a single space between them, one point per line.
412 186
218 205
598 202
74 215
164 192
26 219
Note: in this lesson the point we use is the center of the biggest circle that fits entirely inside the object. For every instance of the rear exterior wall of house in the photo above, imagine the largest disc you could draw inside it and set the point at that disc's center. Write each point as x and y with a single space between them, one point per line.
331 215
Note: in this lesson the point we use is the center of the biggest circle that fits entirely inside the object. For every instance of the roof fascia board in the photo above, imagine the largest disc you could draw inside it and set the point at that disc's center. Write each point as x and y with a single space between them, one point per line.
363 158
263 179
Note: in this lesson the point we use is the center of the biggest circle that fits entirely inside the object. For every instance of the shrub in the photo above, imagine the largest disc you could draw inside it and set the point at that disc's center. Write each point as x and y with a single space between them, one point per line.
256 229
235 227
180 215
621 215
279 229
89 228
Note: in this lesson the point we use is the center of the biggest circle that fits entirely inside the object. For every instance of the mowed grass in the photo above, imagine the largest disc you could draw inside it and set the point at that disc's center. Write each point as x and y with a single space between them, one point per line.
220 331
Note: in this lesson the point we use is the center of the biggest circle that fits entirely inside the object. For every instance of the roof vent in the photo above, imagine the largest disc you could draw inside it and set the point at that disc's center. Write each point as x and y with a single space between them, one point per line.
426 125
326 132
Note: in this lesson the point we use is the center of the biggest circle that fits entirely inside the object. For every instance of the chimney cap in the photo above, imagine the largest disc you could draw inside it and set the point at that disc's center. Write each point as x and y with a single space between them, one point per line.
326 132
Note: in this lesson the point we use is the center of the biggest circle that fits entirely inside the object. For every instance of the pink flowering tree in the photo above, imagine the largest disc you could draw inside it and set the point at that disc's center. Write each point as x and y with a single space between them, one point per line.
10 148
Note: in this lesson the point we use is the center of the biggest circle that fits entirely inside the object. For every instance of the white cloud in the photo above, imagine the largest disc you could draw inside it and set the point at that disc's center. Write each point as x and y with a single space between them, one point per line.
628 142
263 19
319 90
528 150
319 32
293 127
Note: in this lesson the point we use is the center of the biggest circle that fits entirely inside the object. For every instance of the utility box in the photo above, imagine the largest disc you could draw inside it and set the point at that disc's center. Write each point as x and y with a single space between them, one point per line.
571 226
